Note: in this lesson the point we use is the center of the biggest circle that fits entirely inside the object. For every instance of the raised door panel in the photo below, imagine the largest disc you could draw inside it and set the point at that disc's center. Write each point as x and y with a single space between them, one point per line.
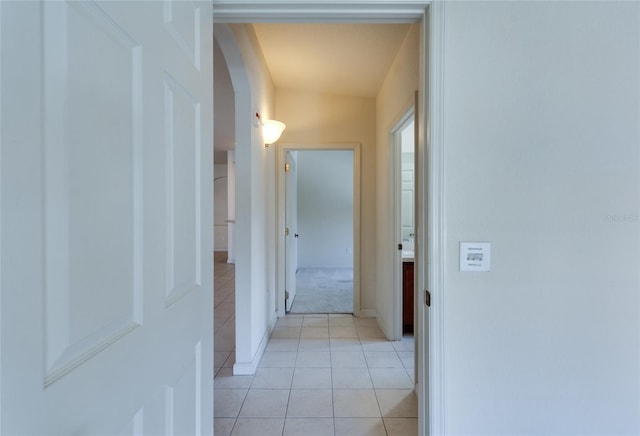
92 192
183 196
136 426
183 398
88 343
182 20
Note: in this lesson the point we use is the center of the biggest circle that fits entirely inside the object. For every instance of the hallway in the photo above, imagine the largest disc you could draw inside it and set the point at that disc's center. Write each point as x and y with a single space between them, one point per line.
320 375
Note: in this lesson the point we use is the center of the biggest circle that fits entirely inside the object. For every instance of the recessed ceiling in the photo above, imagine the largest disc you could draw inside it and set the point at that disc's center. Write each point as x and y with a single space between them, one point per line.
338 58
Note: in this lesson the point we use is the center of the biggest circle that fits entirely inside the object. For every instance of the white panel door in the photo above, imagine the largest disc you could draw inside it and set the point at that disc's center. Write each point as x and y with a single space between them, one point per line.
291 223
106 218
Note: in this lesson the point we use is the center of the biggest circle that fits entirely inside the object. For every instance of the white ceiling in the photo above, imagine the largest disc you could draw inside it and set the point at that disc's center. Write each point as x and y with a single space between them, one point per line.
338 58
343 59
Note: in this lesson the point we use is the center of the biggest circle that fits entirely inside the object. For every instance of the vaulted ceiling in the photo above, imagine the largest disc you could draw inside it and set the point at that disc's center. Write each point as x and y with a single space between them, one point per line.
338 58
343 59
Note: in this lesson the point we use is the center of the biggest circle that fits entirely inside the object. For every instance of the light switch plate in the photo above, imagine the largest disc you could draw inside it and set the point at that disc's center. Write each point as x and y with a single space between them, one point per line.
475 256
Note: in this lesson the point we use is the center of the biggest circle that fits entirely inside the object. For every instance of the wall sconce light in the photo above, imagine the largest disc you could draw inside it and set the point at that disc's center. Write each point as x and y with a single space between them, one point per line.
271 130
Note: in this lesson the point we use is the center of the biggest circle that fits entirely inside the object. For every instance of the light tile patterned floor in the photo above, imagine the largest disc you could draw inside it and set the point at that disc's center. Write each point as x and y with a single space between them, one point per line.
320 375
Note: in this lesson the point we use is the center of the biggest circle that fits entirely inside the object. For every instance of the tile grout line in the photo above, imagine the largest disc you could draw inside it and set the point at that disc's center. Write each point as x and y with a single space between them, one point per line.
331 353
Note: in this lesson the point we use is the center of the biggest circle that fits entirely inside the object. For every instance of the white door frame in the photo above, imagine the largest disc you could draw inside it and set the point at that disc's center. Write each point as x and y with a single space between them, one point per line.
430 187
430 184
280 221
395 217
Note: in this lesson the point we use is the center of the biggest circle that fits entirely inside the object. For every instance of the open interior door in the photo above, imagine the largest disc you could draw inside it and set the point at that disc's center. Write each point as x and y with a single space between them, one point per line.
106 218
291 227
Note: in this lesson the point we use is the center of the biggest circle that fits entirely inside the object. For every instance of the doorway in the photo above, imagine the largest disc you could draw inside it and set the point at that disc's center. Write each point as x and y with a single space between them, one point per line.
430 382
402 219
319 209
319 214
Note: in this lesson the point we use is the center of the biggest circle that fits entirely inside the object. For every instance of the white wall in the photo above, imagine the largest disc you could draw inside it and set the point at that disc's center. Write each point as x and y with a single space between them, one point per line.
220 207
541 146
255 194
394 100
315 118
325 209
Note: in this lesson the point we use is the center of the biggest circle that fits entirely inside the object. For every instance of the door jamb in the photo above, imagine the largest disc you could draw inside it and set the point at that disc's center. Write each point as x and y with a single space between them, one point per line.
395 216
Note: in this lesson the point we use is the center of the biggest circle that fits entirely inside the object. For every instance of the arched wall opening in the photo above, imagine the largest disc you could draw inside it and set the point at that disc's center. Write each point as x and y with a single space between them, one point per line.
251 321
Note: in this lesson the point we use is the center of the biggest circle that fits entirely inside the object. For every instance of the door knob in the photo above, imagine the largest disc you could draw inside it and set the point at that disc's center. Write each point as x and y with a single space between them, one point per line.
295 235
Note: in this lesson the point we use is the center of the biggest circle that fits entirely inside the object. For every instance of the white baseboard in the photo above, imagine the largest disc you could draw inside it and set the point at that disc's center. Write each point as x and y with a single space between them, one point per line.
368 313
249 368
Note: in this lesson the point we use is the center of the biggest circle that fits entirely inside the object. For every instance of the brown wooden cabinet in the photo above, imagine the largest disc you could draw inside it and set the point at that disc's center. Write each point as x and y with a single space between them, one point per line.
407 297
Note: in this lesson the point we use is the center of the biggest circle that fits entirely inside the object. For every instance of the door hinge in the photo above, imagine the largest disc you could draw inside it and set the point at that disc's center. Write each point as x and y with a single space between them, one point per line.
286 167
427 298
286 295
286 231
399 247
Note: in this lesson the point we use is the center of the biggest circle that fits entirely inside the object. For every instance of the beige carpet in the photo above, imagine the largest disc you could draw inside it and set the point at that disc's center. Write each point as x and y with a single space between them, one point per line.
323 290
